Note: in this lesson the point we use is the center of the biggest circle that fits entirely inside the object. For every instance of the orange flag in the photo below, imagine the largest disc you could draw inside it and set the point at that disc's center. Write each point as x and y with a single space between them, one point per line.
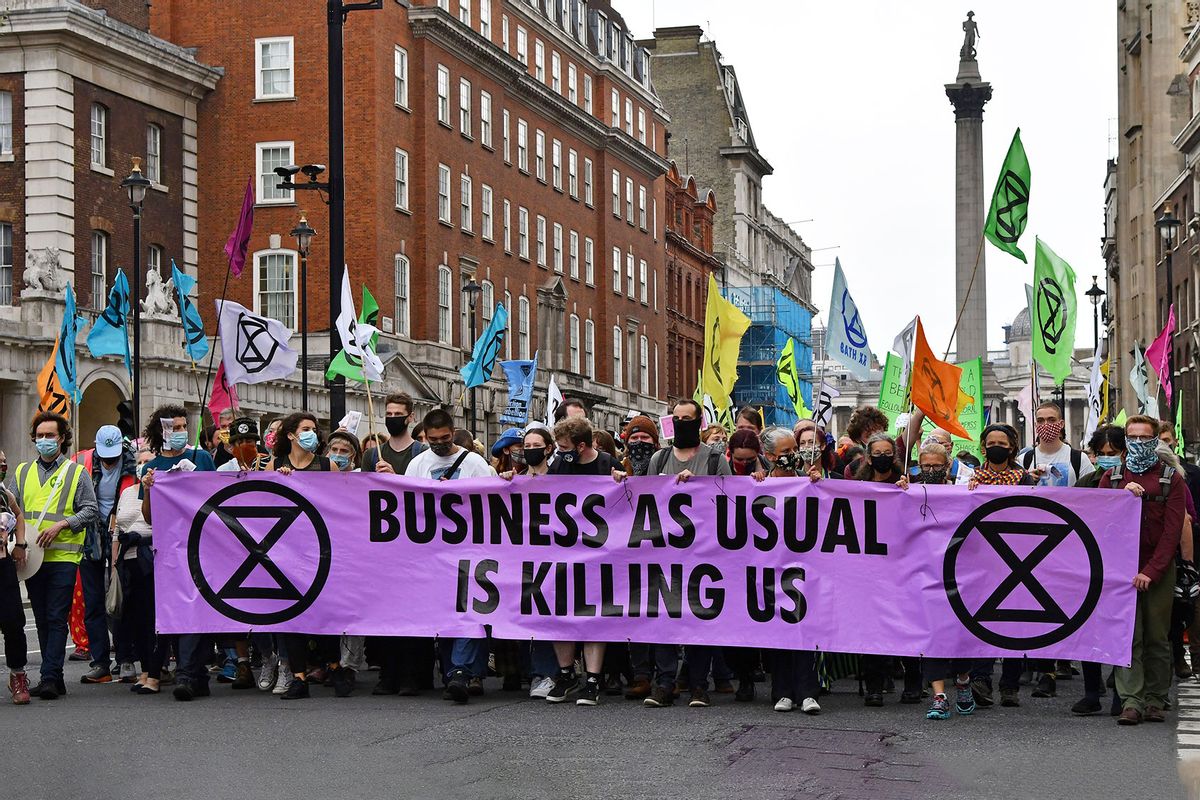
935 387
50 391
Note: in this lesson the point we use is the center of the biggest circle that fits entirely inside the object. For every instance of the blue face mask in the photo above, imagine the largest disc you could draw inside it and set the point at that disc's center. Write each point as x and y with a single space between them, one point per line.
1108 462
177 440
1141 456
308 440
341 460
46 447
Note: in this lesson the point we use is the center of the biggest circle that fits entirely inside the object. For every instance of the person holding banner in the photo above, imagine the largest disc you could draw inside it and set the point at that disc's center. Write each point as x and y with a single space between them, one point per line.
746 454
715 435
394 455
344 451
878 465
1143 686
12 612
641 443
865 422
57 498
506 451
134 557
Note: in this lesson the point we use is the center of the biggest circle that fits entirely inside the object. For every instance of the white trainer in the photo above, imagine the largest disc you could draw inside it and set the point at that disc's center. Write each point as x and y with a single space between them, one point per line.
810 706
284 683
269 673
785 704
541 688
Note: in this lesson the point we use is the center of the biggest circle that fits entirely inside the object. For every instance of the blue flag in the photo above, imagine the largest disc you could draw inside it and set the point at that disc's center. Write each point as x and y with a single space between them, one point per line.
110 336
194 340
521 375
64 362
845 336
487 349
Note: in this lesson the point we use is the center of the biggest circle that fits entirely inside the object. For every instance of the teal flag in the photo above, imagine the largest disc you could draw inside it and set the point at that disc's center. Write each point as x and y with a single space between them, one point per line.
487 349
1053 312
64 362
194 340
1009 213
110 334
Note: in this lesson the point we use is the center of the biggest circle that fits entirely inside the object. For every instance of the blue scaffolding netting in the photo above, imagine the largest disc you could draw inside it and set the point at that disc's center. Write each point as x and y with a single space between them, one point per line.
775 317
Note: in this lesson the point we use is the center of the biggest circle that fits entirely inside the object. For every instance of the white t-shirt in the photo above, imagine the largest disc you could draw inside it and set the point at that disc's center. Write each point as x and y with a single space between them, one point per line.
1061 473
432 466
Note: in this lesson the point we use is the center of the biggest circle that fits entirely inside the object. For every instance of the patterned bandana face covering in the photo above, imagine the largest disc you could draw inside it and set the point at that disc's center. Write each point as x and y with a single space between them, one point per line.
1140 456
1050 431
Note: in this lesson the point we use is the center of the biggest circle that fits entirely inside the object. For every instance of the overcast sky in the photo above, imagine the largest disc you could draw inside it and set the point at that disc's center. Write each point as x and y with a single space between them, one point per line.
847 102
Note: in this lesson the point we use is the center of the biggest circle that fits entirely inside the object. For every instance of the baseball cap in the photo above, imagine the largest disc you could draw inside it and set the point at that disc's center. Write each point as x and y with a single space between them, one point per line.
109 441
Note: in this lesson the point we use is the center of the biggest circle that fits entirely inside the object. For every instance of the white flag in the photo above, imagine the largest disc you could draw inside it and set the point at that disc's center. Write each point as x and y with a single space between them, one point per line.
1095 395
903 347
845 336
823 406
356 336
1025 404
1139 379
554 399
254 349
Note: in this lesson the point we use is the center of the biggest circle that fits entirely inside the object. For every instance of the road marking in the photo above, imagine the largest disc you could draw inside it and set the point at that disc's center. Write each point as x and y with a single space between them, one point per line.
1187 725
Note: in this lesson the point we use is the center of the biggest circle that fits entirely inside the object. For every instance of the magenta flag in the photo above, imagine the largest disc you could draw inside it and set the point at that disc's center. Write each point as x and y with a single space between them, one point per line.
239 240
840 566
1158 354
224 394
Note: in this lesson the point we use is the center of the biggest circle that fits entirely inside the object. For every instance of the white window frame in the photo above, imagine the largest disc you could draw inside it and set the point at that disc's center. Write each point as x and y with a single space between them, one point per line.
616 194
588 194
6 123
539 154
485 18
507 138
573 255
259 90
522 46
523 328
523 146
443 94
523 232
587 93
539 61
556 164
589 261
6 264
573 174
400 66
504 32
507 227
259 266
541 240
643 282
557 244
401 179
555 72
263 197
574 344
464 12
465 192
617 260
508 333
644 364
618 366
630 280
615 110
485 118
487 227
589 349
154 134
445 305
99 135
629 200
402 276
464 107
628 117
444 194
642 207
572 83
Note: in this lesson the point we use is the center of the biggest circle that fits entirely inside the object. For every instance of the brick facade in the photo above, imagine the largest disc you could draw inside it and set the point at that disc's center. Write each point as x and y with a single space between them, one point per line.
135 13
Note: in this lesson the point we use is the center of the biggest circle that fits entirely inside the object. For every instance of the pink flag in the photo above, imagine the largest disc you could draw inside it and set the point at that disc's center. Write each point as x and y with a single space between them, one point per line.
224 395
239 240
1158 354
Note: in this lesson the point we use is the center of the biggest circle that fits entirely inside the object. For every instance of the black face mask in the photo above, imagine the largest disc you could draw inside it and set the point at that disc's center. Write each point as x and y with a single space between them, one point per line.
442 449
998 454
396 426
788 462
687 433
640 454
934 476
883 464
535 456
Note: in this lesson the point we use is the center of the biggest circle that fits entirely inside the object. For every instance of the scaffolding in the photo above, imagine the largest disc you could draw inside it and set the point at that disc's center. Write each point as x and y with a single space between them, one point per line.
775 316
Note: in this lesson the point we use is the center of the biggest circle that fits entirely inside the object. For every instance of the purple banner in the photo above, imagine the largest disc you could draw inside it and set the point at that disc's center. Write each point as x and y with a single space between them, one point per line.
838 565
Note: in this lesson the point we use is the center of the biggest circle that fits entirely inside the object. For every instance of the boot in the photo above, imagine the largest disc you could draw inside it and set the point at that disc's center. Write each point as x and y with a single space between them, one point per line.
1183 670
18 684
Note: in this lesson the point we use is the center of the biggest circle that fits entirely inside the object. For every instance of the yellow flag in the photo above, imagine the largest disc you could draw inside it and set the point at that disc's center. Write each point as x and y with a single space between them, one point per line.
724 325
51 396
789 377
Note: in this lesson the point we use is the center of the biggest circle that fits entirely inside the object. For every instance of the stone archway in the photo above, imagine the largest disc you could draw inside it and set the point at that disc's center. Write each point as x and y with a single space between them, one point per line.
97 407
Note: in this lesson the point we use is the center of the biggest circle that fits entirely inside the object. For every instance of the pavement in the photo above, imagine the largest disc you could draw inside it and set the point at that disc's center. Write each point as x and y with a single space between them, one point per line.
105 741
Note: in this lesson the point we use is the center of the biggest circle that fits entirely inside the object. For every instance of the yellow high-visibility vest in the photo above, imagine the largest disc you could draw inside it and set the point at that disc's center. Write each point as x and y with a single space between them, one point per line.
57 496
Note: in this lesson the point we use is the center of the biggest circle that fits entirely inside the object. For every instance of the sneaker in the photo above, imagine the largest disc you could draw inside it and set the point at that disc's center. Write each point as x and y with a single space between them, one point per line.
244 677
46 690
1088 705
660 697
566 683
286 679
80 654
228 673
639 689
1046 687
269 673
745 692
873 700
18 685
541 687
183 693
1130 716
964 699
810 706
456 689
784 704
940 708
1009 698
699 698
589 693
297 691
343 682
475 687
910 697
983 693
127 673
97 675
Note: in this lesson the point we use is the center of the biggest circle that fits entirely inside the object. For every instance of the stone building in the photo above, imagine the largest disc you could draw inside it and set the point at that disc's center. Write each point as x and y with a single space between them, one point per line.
766 266
518 144
82 90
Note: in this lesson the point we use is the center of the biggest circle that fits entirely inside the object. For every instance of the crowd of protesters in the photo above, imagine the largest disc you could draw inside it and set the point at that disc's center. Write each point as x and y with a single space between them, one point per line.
90 515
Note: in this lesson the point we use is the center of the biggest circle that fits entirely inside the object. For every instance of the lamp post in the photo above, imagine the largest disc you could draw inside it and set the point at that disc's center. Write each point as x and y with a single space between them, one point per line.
472 291
1168 225
136 184
1095 294
304 235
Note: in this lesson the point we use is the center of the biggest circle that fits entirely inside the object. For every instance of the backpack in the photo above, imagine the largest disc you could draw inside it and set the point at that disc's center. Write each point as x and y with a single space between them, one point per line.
1117 477
1076 460
659 460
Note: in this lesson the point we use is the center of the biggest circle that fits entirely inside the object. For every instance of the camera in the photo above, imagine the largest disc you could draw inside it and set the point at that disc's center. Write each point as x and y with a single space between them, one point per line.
313 171
287 172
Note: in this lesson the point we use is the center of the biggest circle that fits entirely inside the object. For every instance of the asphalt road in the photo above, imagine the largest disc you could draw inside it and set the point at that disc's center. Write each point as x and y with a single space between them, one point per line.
105 741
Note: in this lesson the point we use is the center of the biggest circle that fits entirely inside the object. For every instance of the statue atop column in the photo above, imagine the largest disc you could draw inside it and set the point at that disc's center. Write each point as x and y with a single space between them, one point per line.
970 34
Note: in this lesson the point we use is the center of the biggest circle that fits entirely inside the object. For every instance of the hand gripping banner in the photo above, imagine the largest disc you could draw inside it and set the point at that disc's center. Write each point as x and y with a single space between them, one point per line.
836 565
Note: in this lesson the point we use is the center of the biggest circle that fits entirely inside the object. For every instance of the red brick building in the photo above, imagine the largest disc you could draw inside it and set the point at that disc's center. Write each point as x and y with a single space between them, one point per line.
518 143
690 261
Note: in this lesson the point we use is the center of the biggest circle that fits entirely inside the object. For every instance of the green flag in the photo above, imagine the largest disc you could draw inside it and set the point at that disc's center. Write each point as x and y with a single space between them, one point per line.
368 316
1009 213
1179 443
893 395
1119 421
1053 312
789 378
970 397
